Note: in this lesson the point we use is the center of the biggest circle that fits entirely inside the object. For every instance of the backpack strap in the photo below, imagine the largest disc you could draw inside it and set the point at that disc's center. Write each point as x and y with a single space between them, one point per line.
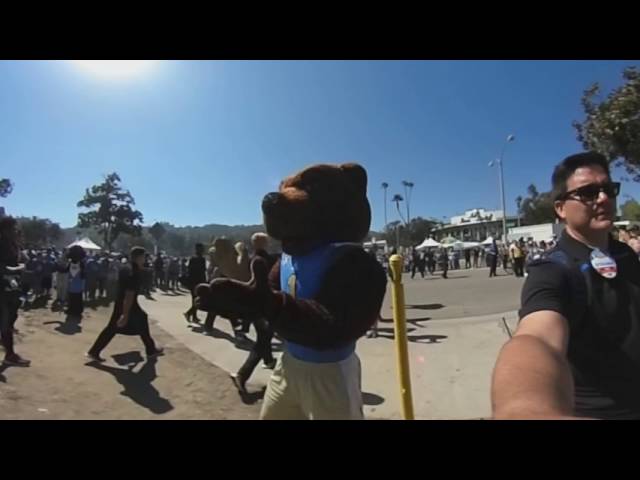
580 281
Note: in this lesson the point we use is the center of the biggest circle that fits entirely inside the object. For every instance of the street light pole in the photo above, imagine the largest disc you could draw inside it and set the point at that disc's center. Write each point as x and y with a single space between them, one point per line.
510 138
385 185
504 205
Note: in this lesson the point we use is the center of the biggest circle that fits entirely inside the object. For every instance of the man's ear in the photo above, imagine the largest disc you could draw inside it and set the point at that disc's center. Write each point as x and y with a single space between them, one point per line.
558 206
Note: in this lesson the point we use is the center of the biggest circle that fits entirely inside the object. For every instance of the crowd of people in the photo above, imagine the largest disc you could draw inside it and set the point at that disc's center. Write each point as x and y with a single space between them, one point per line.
428 261
72 277
574 353
46 275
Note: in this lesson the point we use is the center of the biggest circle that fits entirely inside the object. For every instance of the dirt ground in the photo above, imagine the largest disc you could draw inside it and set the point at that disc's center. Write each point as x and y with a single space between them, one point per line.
61 384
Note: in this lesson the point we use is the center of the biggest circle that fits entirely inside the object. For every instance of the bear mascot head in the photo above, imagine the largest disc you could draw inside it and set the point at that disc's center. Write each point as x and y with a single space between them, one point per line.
318 205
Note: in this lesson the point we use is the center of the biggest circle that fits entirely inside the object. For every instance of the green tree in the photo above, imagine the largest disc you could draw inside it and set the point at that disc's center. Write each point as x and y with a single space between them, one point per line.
519 208
630 210
177 243
54 231
39 231
612 125
113 212
397 198
413 234
389 233
537 207
157 231
6 187
419 228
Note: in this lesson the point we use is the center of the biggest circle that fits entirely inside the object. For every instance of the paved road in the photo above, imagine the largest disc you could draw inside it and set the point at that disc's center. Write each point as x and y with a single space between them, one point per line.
465 293
455 331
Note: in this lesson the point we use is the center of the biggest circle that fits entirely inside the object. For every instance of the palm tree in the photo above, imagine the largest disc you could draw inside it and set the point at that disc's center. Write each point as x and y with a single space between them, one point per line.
397 198
519 204
385 185
407 195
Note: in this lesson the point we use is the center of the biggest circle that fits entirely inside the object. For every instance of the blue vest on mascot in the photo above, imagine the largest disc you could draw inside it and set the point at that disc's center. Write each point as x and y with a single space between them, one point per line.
301 277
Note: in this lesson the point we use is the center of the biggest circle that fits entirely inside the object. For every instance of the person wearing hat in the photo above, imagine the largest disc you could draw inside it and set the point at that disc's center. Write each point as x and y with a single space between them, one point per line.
576 351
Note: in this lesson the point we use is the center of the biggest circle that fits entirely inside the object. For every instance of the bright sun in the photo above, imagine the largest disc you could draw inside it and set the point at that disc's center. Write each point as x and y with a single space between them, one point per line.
115 68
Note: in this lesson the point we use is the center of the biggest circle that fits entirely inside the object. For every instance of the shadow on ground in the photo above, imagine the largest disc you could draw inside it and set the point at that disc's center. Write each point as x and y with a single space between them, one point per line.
240 342
173 293
97 302
388 333
372 399
426 306
137 385
70 326
412 321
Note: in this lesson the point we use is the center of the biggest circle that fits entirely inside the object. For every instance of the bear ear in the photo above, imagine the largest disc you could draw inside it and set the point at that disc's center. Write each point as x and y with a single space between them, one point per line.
357 175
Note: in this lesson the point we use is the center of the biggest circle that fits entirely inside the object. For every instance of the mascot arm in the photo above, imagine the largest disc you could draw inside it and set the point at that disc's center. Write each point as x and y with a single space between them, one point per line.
346 306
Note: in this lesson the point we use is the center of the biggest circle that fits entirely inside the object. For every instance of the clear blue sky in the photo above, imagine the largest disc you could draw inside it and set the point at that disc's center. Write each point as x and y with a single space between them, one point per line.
202 142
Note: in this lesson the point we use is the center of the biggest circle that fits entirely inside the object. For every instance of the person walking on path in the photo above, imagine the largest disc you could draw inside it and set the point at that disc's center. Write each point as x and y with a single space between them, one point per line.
127 317
492 256
261 349
196 274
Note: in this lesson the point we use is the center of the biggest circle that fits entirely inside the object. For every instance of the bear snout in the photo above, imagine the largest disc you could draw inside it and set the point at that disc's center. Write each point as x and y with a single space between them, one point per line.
270 202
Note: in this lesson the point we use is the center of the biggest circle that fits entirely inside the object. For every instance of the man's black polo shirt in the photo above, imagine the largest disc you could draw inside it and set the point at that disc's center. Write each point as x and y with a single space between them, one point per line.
604 327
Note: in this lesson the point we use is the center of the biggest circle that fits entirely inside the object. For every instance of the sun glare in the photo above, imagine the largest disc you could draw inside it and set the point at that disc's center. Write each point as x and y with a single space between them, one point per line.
115 68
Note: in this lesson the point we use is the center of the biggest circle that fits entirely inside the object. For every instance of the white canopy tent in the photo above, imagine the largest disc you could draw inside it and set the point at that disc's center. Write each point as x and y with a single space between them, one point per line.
489 241
448 241
457 245
428 243
85 243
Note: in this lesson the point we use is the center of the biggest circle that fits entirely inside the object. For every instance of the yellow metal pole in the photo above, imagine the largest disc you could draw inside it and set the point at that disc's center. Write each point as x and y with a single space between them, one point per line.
400 327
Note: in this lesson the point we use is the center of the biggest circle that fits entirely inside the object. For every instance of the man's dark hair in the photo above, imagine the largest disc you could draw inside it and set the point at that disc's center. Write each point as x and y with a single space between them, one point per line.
199 246
565 169
137 252
7 223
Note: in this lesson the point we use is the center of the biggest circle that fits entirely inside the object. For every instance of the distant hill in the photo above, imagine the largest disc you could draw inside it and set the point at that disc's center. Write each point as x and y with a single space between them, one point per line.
177 240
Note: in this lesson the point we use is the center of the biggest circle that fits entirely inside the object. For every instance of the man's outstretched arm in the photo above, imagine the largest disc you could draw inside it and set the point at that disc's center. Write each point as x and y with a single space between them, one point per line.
532 378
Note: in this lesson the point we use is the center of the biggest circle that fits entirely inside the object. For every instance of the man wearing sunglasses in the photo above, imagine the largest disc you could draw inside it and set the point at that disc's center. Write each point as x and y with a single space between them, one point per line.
576 352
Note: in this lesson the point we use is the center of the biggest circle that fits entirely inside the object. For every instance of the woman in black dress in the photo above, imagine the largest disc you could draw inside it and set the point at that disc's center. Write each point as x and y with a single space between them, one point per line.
127 318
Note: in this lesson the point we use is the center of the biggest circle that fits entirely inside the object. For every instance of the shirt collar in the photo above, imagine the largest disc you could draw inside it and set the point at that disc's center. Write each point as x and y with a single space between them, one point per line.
581 251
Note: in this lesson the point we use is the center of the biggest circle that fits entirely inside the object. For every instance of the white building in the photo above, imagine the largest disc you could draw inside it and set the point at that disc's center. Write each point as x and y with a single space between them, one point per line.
542 232
476 215
474 225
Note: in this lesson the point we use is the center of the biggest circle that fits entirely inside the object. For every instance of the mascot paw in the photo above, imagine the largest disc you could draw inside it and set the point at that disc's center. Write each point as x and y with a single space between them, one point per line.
234 299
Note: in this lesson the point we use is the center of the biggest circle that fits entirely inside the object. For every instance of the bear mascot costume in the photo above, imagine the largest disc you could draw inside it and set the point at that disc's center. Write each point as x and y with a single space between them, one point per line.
323 294
228 261
232 260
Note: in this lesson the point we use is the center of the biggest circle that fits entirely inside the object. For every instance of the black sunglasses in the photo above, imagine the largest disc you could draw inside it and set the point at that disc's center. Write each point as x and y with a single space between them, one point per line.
590 193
